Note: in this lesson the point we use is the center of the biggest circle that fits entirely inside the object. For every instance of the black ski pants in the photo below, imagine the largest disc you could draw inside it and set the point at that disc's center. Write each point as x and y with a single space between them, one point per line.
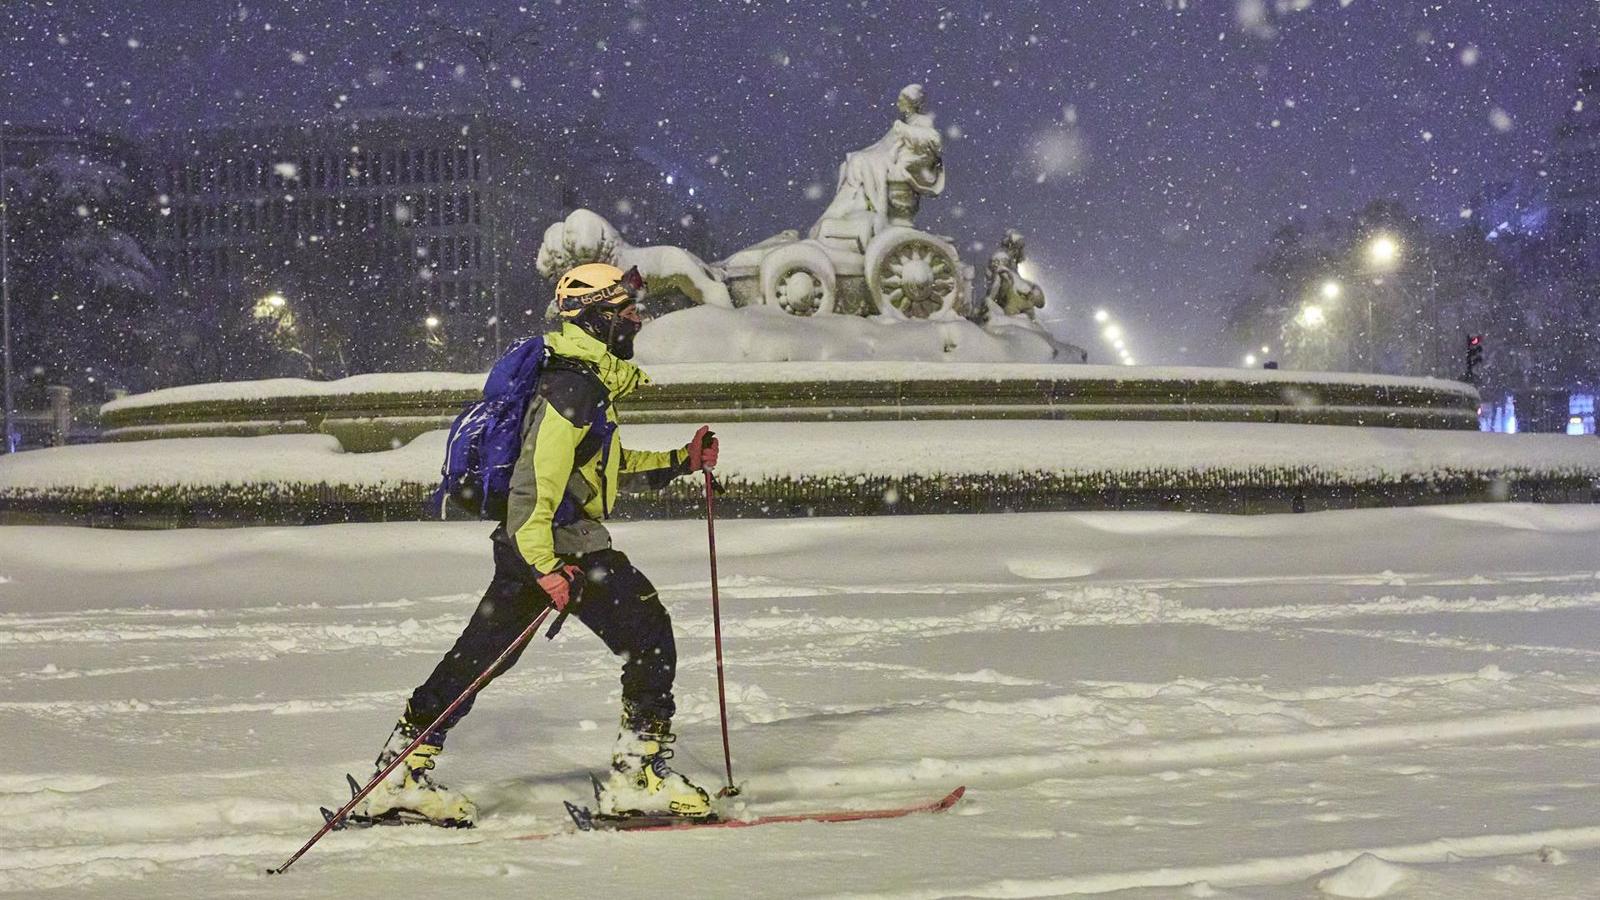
617 603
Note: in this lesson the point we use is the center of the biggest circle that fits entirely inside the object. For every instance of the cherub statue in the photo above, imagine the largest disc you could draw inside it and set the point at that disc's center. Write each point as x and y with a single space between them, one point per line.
1008 291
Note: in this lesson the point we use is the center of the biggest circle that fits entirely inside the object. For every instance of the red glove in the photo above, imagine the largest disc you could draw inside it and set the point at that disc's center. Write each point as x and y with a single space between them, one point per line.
702 450
559 586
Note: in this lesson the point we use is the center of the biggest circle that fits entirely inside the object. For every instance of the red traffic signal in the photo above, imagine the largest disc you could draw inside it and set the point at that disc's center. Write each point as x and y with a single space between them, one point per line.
1474 357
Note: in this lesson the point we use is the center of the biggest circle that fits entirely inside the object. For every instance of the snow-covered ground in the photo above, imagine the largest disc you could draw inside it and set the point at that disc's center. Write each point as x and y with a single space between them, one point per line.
1369 703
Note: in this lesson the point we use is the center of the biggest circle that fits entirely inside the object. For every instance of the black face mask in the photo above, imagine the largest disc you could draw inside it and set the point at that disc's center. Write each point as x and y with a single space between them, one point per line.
620 338
614 331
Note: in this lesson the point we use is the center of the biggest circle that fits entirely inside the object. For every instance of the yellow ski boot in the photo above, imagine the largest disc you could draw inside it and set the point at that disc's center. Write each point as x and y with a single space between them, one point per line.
641 782
410 796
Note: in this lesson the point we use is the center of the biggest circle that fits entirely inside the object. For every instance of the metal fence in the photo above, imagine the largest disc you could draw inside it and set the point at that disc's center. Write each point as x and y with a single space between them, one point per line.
56 426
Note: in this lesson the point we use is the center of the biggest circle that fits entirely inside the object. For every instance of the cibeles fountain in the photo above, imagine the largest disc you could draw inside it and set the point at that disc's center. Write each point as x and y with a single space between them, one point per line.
863 283
898 358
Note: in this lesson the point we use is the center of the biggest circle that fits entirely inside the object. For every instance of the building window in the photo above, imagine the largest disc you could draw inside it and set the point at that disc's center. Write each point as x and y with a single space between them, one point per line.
1580 409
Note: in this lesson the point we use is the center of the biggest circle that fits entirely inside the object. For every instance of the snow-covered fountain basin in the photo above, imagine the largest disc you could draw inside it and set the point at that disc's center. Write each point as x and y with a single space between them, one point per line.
826 428
381 411
760 364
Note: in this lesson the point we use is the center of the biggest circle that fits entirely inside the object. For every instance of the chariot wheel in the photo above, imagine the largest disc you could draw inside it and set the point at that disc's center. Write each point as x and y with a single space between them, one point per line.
914 273
799 278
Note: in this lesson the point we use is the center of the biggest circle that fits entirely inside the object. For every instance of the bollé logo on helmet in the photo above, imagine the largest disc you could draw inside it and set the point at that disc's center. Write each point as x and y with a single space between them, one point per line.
596 285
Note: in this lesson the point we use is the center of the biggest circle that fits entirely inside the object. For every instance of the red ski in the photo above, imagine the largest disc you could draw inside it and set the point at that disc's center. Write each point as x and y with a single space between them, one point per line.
587 821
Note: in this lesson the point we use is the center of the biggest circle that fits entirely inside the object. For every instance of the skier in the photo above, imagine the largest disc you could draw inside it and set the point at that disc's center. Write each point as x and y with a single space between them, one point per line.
571 454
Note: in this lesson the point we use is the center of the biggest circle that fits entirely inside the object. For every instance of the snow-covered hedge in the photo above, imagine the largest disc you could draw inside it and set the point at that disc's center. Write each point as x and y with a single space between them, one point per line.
857 468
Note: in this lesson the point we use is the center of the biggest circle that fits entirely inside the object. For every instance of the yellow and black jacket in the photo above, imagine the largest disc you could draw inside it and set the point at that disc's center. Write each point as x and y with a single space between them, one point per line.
572 463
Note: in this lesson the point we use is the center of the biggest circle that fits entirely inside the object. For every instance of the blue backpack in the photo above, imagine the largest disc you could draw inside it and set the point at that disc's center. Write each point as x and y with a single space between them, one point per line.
486 438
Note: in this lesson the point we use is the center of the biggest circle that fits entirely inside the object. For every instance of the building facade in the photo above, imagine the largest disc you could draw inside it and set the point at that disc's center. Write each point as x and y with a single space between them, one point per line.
383 240
1574 169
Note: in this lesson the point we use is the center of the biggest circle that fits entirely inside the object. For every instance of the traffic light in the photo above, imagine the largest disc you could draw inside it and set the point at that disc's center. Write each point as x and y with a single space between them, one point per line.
1474 357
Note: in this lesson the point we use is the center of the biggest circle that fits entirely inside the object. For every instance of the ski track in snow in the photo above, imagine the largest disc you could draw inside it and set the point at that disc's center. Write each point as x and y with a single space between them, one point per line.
1162 704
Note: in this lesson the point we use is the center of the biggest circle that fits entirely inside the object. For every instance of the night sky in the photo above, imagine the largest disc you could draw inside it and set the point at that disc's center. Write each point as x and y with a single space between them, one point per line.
1144 147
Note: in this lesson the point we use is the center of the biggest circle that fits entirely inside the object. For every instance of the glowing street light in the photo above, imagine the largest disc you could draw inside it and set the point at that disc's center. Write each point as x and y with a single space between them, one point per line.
1331 289
1128 361
1112 332
1101 316
273 306
1265 350
1383 250
1118 343
1312 316
432 322
1250 359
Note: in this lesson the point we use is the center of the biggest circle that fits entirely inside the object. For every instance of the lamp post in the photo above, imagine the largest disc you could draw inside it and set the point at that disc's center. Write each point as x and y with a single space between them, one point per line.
1383 252
8 439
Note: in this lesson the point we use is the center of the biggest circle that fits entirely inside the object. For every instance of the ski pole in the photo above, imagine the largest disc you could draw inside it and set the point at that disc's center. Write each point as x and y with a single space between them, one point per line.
716 627
472 688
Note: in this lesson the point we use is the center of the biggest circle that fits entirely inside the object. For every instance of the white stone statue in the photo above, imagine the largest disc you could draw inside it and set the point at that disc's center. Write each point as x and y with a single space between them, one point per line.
882 185
585 237
864 256
1009 293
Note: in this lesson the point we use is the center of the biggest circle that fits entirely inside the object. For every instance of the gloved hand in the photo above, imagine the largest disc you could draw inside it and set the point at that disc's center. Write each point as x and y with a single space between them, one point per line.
702 450
560 584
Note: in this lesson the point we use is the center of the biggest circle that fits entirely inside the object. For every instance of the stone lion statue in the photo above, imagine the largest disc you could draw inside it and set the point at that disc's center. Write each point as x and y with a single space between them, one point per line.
585 237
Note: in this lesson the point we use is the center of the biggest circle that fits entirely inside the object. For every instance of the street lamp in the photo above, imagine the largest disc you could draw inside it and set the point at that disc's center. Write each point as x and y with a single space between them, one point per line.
1112 332
1383 250
1383 254
432 322
1331 289
1312 316
8 436
272 306
1101 316
1250 359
